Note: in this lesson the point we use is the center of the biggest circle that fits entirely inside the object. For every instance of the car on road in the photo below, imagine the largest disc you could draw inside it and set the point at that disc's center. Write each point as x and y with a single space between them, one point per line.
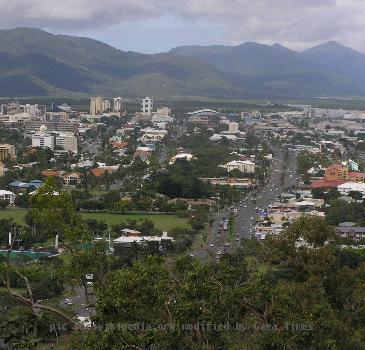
212 245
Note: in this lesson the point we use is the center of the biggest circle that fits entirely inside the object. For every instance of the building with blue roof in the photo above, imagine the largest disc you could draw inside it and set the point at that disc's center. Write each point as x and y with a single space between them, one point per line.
26 185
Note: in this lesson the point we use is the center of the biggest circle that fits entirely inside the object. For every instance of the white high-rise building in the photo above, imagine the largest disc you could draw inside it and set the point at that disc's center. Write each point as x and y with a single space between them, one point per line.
43 139
105 105
117 104
96 105
67 141
147 106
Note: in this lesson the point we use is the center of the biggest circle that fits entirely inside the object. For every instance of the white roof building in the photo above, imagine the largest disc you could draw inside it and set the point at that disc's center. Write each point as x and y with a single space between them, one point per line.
131 238
244 166
348 187
186 156
218 137
7 196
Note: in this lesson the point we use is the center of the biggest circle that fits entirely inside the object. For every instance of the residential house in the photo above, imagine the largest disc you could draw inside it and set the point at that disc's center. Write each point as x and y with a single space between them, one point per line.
186 156
51 173
143 153
7 196
355 233
101 170
72 178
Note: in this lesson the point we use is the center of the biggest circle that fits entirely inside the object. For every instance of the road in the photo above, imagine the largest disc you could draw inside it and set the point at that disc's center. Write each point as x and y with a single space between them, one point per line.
218 243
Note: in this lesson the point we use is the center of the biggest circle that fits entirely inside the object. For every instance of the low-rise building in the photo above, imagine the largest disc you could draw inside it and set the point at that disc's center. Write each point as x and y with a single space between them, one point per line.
51 173
20 185
348 187
143 153
131 237
338 174
233 182
7 196
244 166
355 233
72 178
186 156
101 170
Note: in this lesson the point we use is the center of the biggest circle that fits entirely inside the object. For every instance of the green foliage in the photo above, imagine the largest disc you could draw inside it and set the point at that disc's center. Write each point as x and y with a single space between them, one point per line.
53 211
341 211
3 204
309 297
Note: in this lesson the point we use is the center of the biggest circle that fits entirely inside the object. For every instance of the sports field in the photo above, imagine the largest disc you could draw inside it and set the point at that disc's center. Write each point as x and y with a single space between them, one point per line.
161 221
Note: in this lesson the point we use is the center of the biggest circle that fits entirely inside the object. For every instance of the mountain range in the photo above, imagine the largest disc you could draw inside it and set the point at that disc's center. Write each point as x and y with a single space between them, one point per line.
37 63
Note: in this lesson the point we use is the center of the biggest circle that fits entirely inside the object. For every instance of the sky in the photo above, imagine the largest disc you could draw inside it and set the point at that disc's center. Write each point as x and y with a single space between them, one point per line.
151 26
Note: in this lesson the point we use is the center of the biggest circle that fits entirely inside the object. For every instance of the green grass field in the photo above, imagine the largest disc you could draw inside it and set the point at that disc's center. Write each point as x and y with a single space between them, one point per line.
161 221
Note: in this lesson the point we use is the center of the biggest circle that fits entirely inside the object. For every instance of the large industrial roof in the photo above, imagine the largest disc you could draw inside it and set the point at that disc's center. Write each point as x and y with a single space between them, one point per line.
204 111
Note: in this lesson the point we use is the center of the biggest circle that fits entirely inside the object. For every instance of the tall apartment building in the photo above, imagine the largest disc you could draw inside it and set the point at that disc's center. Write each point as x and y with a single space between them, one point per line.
147 106
1 169
7 151
117 104
105 106
67 141
42 139
96 105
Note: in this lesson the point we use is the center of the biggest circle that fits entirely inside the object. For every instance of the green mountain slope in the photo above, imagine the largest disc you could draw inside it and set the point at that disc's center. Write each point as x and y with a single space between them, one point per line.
34 62
275 70
340 59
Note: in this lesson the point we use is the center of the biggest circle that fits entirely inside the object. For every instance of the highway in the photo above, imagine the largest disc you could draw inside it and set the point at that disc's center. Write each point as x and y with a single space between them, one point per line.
218 241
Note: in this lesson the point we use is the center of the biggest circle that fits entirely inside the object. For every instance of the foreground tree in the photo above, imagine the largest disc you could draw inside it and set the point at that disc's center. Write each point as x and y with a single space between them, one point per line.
303 295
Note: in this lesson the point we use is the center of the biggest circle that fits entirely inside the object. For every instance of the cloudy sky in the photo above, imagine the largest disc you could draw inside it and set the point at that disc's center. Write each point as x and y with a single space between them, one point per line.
158 25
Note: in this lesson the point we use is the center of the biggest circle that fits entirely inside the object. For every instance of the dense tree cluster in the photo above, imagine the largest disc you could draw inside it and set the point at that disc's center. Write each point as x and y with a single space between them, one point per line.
309 295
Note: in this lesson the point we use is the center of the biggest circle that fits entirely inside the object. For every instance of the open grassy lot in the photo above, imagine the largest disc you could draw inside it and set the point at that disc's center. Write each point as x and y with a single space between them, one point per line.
161 221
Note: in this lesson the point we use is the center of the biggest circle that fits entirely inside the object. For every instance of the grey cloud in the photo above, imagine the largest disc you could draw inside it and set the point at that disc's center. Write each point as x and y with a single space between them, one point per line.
296 22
